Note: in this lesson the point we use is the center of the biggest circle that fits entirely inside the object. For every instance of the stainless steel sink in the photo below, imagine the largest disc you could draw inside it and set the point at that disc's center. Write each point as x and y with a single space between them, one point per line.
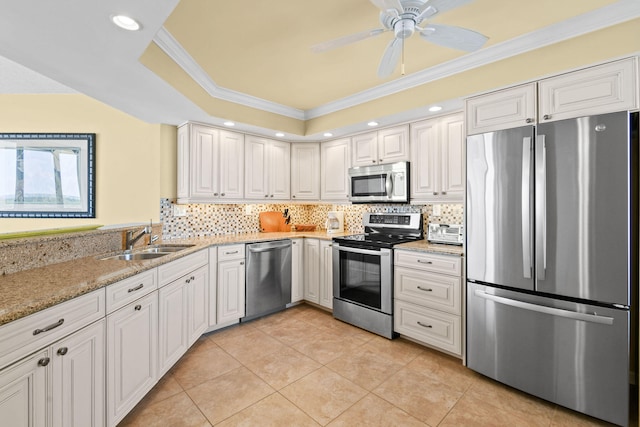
137 256
166 248
148 252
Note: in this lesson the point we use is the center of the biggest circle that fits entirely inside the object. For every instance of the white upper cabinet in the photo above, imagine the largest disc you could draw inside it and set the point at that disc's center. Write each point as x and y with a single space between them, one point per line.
267 166
334 162
596 90
305 171
504 109
384 146
437 159
215 167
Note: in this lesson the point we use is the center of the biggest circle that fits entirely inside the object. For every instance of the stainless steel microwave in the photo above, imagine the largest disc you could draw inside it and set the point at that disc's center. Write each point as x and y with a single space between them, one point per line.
386 183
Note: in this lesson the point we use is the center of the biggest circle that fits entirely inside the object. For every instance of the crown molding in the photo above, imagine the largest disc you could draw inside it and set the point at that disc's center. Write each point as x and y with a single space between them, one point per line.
616 13
179 55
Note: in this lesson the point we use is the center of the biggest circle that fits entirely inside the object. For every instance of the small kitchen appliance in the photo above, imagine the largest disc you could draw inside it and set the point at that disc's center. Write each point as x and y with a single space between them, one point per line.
449 234
335 222
363 270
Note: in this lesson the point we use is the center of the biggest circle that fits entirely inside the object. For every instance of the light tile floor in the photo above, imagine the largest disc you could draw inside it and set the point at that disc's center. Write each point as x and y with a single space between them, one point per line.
301 367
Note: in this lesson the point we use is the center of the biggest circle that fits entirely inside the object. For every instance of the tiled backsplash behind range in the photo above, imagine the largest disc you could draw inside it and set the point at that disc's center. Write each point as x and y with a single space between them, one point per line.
212 219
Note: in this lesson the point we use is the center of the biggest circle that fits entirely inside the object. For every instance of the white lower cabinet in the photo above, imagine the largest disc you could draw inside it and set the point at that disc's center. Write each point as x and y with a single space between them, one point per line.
428 298
297 270
312 270
79 378
231 283
23 391
132 347
183 307
326 274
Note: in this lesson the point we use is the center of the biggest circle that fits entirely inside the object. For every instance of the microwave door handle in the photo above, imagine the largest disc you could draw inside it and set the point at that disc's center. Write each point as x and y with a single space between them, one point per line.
389 185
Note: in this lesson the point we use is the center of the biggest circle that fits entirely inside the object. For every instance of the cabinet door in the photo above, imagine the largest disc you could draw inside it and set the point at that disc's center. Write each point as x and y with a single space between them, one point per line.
280 170
256 173
335 170
198 304
132 346
597 90
204 152
183 162
504 109
326 274
312 270
231 165
364 149
393 144
305 171
452 176
79 378
230 290
24 390
425 152
172 336
297 270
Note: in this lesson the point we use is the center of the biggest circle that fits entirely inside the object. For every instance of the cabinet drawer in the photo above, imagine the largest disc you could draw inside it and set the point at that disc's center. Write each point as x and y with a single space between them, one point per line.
26 335
167 273
229 252
441 330
445 264
123 292
438 291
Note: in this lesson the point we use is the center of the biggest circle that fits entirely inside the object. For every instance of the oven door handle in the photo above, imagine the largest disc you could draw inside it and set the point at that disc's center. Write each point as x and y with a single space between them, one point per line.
362 251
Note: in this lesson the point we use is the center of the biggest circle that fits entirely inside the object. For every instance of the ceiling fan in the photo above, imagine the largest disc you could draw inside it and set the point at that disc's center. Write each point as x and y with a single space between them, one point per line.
405 17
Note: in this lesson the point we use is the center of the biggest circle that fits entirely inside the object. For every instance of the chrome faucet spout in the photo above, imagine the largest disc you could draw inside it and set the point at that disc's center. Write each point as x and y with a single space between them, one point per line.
132 240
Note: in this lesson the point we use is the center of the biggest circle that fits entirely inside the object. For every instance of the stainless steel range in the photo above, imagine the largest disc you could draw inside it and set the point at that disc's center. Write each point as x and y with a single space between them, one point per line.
363 270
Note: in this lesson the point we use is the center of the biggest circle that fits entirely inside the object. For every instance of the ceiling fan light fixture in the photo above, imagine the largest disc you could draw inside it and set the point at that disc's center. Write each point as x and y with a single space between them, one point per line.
126 22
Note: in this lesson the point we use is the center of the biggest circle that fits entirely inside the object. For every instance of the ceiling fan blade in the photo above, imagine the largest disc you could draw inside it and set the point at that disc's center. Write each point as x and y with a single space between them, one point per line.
390 58
343 41
433 7
386 5
453 37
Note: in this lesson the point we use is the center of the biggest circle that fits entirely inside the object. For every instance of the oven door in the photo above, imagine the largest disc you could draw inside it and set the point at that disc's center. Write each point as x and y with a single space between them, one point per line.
363 276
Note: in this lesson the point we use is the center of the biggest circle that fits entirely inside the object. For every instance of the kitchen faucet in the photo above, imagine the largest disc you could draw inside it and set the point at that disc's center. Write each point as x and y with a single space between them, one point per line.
130 240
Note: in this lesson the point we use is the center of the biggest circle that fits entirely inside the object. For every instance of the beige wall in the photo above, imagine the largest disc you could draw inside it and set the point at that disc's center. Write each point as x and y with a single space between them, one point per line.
133 158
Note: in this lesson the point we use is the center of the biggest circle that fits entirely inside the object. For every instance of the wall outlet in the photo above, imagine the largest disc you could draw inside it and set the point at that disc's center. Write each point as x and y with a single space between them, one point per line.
247 209
179 210
437 210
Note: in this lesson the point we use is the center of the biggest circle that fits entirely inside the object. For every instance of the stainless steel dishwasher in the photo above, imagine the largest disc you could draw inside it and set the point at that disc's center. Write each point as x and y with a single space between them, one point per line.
268 278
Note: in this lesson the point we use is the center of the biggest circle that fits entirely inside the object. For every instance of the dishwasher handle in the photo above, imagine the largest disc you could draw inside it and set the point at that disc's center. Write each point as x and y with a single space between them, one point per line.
270 246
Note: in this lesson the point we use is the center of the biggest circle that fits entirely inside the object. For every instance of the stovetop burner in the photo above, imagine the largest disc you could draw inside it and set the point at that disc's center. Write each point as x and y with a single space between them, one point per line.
407 227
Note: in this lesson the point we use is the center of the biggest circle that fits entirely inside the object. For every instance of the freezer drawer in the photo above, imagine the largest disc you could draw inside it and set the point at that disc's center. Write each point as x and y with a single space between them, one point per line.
572 354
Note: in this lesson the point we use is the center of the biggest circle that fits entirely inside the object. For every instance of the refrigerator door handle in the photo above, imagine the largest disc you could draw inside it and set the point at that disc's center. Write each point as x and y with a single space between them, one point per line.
541 207
593 318
526 207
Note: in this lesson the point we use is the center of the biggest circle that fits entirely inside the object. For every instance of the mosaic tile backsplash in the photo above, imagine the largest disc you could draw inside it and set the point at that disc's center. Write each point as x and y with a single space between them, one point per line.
214 219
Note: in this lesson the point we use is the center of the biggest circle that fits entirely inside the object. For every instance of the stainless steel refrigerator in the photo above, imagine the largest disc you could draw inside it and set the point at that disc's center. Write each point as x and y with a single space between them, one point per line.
551 247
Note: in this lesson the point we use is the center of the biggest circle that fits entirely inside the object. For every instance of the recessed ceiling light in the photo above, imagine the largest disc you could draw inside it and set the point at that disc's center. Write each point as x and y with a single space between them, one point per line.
328 134
435 108
372 123
279 134
230 124
126 22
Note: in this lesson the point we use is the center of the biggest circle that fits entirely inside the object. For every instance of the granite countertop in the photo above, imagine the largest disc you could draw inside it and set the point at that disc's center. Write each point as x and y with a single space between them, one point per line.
29 291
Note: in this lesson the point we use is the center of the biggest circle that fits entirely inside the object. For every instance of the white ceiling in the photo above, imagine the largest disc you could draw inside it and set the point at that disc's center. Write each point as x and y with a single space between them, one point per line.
68 46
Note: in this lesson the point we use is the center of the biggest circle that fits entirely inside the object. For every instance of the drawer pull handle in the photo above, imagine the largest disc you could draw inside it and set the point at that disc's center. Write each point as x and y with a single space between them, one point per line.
421 261
425 289
231 253
137 307
44 361
424 326
137 288
48 328
241 262
62 351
